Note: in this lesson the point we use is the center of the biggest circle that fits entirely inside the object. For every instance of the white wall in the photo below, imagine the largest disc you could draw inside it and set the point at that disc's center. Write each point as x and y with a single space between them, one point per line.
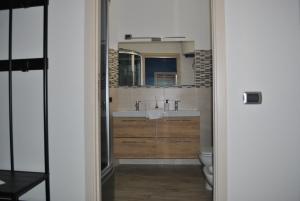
263 45
159 18
66 98
193 20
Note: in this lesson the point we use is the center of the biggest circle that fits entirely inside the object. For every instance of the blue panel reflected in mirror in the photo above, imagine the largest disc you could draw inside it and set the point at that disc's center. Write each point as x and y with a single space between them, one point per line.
160 71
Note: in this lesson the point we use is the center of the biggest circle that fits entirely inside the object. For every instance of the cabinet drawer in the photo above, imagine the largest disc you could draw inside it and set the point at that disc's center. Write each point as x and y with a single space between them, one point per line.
179 127
133 127
134 147
178 148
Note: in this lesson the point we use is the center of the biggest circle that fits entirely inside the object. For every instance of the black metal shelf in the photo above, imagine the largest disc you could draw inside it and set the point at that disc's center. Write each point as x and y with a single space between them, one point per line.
8 199
23 64
14 4
19 182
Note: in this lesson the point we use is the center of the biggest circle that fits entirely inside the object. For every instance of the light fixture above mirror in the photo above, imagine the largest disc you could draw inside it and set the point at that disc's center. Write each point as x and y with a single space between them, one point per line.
153 39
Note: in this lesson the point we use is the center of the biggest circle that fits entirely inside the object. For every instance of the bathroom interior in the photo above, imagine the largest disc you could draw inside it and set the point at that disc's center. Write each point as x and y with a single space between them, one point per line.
156 100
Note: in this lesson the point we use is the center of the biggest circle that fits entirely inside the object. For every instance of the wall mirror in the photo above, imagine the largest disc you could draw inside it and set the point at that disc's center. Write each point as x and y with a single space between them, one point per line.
156 63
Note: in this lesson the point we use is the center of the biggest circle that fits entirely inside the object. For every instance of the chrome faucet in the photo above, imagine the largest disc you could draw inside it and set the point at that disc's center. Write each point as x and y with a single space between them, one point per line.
137 105
176 104
156 103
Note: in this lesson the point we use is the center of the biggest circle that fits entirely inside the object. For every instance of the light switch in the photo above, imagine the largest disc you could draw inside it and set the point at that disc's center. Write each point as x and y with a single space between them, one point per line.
252 97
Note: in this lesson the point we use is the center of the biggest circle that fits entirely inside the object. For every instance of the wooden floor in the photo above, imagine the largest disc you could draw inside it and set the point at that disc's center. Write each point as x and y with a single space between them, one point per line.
159 183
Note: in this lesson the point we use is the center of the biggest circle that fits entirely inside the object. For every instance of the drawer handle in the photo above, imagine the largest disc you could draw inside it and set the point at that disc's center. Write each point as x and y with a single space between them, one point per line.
133 142
177 141
183 141
132 120
179 120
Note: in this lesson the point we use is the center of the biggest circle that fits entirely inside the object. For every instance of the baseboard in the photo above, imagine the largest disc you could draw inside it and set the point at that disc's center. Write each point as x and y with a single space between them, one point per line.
157 162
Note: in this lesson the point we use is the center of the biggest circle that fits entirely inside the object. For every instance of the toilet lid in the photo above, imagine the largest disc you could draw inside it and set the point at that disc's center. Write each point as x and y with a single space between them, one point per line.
206 150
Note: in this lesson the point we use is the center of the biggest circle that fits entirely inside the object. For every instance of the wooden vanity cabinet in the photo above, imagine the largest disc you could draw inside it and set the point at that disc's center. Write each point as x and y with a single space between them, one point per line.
134 147
180 148
178 137
178 127
166 138
133 127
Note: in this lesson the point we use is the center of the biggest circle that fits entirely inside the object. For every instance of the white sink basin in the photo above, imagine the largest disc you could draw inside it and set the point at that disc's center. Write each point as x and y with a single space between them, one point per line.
129 114
156 114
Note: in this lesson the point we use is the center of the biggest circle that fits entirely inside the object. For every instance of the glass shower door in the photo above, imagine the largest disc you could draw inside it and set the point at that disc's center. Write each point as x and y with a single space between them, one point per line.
130 68
106 138
107 176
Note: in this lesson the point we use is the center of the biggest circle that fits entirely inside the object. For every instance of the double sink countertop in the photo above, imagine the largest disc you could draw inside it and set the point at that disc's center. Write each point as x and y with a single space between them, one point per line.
156 114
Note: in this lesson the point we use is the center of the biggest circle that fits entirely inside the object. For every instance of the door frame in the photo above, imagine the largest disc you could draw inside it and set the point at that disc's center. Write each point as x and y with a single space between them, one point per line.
219 100
91 97
91 76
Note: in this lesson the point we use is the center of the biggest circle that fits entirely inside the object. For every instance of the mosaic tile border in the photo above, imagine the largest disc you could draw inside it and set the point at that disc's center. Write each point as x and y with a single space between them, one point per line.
113 62
203 68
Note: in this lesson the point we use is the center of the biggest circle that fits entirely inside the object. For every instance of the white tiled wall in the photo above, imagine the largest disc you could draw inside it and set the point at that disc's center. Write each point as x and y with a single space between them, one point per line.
123 99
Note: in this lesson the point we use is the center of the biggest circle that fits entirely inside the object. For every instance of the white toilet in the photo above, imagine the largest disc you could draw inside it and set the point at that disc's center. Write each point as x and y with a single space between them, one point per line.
206 159
206 156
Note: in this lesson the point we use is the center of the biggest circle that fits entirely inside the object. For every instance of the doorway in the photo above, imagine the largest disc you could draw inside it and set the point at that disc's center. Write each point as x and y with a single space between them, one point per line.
219 103
160 91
